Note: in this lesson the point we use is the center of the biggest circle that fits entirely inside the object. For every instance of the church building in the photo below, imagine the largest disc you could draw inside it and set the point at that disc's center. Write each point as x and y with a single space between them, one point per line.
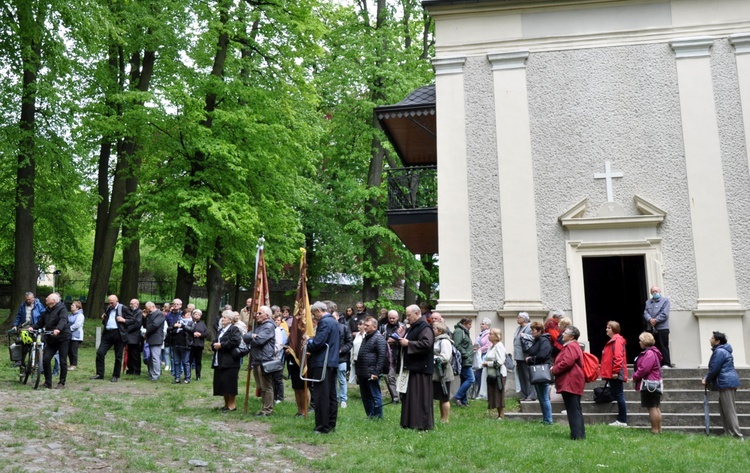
585 151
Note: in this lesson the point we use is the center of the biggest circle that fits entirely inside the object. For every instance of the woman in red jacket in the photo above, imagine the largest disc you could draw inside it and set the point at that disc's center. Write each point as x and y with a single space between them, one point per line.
570 380
615 370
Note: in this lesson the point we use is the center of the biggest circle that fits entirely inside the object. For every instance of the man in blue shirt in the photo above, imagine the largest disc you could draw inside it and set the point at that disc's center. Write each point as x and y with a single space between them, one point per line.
114 335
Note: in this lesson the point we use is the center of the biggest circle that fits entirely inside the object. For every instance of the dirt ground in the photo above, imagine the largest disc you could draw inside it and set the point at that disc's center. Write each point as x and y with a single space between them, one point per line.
41 439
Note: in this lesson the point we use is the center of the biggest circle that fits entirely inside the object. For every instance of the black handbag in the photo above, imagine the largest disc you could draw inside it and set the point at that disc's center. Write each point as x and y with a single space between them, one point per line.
603 394
272 366
540 374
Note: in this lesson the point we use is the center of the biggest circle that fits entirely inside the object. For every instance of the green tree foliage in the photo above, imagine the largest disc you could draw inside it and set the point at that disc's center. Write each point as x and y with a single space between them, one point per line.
371 60
238 147
37 111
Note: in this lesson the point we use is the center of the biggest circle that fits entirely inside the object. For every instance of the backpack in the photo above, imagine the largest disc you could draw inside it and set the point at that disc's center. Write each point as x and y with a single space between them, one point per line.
455 359
590 367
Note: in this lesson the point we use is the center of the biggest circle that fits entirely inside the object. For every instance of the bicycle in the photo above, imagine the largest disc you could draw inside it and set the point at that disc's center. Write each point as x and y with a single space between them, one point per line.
31 356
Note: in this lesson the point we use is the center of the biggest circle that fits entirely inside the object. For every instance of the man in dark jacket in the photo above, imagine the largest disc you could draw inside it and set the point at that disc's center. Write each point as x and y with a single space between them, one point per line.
200 332
262 342
55 320
326 341
154 336
370 362
345 347
133 338
464 345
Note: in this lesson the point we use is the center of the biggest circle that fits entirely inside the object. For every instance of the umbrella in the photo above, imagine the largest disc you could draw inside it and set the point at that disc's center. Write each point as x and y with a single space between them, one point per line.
705 409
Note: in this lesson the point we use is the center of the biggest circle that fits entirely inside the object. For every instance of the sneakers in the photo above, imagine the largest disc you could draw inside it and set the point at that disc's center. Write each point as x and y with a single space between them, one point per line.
617 423
277 401
60 386
343 404
564 412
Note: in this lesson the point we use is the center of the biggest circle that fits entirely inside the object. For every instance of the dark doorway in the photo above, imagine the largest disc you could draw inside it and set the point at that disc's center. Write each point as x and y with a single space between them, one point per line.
615 288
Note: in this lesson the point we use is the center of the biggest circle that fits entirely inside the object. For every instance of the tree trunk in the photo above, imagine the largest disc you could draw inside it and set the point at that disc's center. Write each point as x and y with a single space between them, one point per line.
141 73
186 268
214 284
25 268
107 226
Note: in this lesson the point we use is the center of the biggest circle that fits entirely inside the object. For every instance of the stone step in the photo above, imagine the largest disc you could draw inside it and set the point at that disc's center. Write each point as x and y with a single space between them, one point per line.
695 373
667 407
670 384
669 395
676 422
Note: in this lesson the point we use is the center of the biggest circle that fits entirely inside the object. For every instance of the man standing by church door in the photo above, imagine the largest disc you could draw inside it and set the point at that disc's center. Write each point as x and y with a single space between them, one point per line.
657 318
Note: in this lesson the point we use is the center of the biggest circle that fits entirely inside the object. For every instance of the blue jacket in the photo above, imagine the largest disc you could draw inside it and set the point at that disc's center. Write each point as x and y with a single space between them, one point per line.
658 310
327 332
36 312
721 370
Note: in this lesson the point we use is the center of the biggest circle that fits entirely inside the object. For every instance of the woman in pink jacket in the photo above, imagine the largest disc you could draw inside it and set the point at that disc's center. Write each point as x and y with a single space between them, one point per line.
648 368
570 380
615 370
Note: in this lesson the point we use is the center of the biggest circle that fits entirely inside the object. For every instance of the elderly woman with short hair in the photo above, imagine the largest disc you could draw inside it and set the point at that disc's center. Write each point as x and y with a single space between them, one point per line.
226 367
480 352
443 351
648 368
570 380
494 364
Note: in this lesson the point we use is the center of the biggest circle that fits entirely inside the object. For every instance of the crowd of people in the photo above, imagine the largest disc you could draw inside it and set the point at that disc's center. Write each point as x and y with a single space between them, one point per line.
418 358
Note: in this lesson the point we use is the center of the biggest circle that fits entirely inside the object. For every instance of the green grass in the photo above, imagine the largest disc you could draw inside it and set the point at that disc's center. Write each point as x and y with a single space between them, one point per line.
142 426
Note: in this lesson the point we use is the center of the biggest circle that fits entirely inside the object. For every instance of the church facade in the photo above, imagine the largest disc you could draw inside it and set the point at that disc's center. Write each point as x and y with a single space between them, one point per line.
588 150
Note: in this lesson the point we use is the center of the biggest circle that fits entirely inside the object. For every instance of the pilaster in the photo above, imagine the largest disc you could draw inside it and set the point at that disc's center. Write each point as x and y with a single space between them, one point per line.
516 178
718 304
453 189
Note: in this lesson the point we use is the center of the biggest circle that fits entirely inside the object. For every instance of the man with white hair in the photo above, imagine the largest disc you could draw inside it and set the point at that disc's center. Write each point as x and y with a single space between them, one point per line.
387 330
154 337
262 342
325 342
55 320
113 336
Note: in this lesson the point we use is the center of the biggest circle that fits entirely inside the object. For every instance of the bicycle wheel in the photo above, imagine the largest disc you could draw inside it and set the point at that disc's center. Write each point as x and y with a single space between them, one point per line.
25 369
36 369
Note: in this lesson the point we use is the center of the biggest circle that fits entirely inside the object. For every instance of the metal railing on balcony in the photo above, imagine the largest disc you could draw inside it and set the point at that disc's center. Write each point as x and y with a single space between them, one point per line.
412 188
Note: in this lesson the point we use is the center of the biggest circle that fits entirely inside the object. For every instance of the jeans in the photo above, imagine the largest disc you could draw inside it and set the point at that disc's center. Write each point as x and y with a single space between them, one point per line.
166 357
616 387
343 387
542 394
372 398
181 359
467 379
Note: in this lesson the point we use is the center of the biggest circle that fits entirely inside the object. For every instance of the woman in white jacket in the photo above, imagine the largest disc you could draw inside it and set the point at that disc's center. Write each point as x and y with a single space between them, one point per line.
75 319
495 373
